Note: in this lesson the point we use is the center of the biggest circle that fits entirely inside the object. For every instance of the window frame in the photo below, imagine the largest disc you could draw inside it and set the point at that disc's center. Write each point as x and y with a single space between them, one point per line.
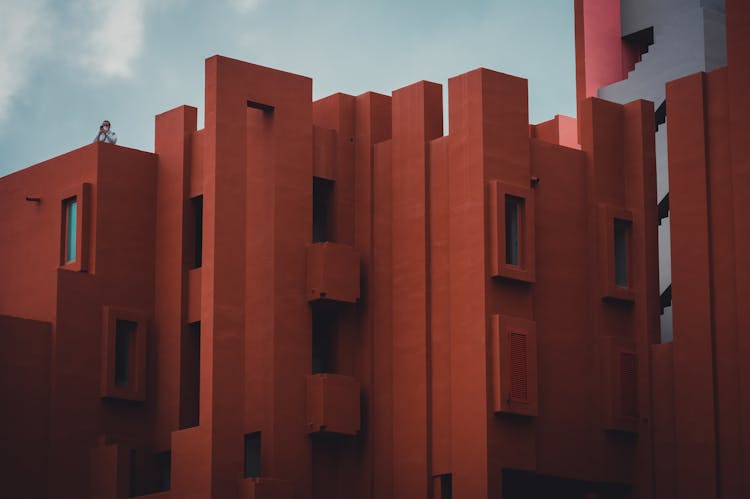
81 195
503 365
609 216
135 389
525 270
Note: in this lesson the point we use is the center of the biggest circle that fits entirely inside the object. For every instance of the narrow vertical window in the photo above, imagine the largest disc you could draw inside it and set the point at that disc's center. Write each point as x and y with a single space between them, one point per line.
124 342
322 189
446 486
628 385
622 229
196 246
163 479
190 370
323 340
513 221
71 228
133 475
252 455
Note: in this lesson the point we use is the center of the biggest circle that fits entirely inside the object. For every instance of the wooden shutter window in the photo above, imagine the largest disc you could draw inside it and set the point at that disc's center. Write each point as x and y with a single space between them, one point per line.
519 366
513 365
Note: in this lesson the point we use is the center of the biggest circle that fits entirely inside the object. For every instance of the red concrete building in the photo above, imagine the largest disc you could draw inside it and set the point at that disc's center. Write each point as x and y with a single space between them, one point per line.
335 299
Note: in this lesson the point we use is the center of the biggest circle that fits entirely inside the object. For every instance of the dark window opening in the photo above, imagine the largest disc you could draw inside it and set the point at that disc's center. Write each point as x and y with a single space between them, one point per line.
446 486
513 223
323 340
133 487
628 385
252 455
190 371
124 344
527 484
195 232
163 468
322 191
259 105
622 229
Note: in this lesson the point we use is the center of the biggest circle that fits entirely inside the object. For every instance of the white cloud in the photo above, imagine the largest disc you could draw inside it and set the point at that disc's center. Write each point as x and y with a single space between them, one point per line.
116 40
244 6
23 40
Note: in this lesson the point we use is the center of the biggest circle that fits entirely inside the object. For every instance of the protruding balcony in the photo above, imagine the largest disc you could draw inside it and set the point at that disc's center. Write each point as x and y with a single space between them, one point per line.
333 404
332 273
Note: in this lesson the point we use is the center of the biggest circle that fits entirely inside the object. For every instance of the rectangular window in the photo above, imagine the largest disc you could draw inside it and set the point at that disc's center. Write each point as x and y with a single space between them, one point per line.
252 455
322 190
628 385
190 370
71 228
622 230
446 486
163 478
196 246
133 486
124 342
323 340
513 224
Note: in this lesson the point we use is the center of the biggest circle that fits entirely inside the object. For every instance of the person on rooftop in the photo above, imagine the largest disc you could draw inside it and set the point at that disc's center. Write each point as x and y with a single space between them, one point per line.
106 134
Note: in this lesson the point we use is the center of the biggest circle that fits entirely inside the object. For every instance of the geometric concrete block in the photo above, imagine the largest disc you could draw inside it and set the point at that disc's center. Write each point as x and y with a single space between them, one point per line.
332 272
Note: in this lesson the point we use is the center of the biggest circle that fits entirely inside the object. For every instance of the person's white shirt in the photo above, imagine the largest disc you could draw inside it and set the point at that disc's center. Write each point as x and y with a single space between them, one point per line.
106 135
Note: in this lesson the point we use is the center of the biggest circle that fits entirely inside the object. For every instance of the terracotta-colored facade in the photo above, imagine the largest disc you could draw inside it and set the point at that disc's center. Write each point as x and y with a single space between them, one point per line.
333 299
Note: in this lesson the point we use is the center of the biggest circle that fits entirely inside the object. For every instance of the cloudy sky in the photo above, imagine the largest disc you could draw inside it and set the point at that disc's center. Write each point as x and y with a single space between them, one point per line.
67 65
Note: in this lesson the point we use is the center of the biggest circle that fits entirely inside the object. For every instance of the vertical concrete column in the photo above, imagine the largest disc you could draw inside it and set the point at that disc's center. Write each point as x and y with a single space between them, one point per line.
337 112
382 305
726 336
276 110
223 286
738 46
173 134
372 125
662 421
468 322
620 165
502 126
639 162
439 284
598 41
691 290
417 118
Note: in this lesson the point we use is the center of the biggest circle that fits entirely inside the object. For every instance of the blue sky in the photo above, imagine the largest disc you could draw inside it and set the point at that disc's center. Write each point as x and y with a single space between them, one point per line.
67 65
